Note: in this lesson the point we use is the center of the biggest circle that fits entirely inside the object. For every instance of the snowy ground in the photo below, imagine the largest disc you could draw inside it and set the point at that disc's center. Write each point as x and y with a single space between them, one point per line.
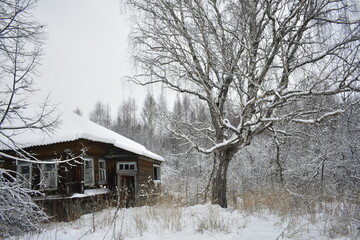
200 222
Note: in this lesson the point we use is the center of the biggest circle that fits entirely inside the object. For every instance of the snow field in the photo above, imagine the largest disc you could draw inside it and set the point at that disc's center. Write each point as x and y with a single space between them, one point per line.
198 222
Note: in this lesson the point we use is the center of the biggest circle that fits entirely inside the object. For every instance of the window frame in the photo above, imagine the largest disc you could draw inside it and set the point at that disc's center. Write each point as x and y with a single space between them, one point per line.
42 177
102 181
21 176
158 172
91 171
130 163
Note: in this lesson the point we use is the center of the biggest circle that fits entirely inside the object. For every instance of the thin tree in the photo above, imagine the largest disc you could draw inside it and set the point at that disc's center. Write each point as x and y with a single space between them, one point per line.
149 116
126 122
78 111
247 59
101 114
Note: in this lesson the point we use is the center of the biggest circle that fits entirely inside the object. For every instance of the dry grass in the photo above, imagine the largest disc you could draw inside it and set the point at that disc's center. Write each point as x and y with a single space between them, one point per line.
140 223
335 217
167 217
279 202
212 221
162 218
297 217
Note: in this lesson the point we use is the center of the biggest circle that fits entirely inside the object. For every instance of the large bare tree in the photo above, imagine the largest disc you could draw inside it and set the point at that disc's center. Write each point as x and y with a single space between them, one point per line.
252 62
21 39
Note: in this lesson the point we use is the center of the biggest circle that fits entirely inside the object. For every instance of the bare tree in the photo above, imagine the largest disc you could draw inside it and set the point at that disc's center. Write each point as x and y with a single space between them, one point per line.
148 116
247 60
322 158
20 50
101 114
78 111
126 122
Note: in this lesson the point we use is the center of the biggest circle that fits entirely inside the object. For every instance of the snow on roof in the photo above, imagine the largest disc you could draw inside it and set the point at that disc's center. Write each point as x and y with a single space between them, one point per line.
73 127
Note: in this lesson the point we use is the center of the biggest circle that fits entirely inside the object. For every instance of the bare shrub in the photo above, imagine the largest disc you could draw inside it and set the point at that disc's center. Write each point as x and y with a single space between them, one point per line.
18 214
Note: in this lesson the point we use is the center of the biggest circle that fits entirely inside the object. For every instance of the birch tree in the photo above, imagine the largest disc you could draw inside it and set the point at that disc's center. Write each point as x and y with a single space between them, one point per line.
248 59
21 39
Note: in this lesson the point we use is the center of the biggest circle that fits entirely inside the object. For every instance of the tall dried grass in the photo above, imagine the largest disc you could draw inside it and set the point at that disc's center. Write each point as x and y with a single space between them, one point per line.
212 220
335 217
279 202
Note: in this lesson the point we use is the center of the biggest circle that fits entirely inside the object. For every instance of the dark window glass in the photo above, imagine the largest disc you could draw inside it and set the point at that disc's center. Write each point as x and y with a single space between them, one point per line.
25 169
101 164
49 167
156 173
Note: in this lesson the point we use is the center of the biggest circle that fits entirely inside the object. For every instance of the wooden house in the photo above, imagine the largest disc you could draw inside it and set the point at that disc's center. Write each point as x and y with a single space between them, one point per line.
81 158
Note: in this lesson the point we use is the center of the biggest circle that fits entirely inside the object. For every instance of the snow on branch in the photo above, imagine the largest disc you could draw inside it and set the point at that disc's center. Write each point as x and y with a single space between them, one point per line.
304 121
36 161
18 213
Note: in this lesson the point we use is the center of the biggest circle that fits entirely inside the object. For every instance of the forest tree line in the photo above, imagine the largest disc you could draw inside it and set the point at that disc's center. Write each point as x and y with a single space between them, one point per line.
319 160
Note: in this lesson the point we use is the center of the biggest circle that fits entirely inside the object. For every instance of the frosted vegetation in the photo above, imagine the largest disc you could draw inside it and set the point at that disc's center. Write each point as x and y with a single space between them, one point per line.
197 222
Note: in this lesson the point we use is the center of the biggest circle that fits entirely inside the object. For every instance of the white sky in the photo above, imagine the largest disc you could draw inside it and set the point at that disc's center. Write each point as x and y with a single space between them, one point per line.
86 55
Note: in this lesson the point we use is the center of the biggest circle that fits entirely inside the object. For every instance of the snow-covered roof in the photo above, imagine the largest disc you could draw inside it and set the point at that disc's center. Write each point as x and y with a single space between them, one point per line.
73 127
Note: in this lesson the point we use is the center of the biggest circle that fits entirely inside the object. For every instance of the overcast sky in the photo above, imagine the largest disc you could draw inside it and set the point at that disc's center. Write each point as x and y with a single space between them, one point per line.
86 54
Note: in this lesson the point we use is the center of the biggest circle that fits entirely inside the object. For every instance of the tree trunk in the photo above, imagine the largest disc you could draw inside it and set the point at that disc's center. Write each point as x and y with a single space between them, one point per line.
222 159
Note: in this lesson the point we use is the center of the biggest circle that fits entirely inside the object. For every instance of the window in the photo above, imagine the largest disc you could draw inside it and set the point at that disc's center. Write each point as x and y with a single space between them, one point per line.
127 166
102 171
25 172
48 176
156 172
88 171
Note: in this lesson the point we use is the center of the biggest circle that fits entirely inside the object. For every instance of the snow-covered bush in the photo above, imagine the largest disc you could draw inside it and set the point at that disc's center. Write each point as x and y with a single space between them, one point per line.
18 213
